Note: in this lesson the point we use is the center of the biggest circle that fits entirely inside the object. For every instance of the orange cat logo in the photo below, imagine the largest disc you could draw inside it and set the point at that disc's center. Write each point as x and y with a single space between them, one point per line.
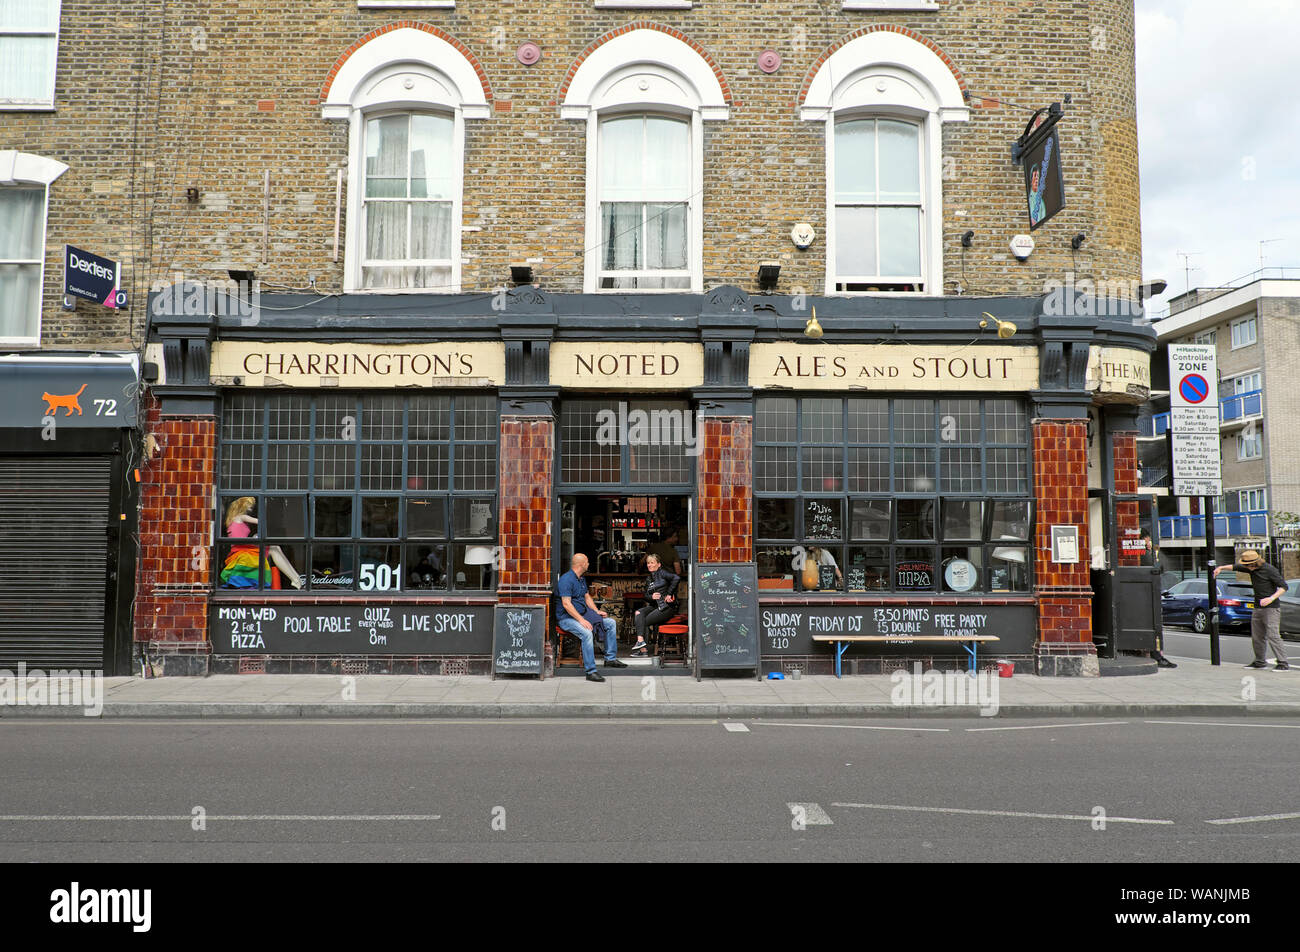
68 402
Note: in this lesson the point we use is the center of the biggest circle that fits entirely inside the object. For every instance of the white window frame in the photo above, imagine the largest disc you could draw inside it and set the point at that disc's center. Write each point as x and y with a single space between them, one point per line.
357 248
403 71
403 4
46 104
1206 337
1245 494
694 272
644 4
24 170
651 72
1256 440
1254 376
884 74
833 210
875 6
1237 339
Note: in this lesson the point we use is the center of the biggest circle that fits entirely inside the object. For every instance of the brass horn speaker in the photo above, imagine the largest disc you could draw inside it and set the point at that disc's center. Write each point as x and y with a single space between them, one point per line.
813 329
1005 328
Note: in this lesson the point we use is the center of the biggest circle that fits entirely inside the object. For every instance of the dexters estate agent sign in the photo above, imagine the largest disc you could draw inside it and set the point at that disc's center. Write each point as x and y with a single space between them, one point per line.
1194 419
89 276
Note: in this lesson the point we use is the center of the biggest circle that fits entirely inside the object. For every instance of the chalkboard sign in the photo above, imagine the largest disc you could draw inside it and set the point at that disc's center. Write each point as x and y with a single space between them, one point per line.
726 616
826 577
518 632
856 576
789 629
376 628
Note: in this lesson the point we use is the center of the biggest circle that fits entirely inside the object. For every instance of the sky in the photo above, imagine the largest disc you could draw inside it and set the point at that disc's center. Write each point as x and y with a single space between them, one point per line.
1218 107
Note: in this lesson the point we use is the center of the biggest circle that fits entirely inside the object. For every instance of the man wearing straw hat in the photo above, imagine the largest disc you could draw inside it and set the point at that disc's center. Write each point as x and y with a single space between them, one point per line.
1266 618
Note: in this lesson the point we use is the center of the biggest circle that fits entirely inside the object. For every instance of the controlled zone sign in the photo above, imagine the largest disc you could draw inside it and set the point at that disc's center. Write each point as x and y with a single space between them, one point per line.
1194 420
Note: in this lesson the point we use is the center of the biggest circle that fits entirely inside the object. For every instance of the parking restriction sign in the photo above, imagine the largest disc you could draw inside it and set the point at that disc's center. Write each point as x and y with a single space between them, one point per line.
1194 420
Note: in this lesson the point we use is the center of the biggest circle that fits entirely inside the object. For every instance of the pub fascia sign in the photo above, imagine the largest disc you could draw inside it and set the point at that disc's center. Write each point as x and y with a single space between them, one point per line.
627 365
446 364
893 367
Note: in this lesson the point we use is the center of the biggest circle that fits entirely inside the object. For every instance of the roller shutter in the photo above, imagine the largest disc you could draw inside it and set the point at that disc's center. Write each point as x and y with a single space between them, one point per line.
53 560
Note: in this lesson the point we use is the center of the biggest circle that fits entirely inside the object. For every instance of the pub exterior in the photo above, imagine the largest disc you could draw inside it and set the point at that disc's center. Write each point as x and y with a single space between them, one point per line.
905 441
422 302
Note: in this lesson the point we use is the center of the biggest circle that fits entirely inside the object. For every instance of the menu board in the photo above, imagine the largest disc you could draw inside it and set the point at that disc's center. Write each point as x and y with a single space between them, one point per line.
389 628
726 615
789 629
518 632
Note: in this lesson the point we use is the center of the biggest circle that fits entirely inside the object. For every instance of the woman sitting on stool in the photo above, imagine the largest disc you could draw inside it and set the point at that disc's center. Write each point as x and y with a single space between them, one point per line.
661 597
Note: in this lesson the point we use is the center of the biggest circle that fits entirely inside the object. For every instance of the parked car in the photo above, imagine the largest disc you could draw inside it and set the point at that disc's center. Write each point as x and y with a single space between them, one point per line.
1291 609
1188 603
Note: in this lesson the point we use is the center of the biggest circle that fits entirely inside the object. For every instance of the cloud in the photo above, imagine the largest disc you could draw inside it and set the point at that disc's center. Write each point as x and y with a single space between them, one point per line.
1219 137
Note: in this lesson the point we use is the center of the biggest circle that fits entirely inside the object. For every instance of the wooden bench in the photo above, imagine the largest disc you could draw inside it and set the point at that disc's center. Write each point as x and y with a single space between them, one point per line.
842 642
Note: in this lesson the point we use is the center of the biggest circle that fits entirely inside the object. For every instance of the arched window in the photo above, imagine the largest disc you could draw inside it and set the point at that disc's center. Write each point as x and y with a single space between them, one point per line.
645 96
406 94
883 97
25 181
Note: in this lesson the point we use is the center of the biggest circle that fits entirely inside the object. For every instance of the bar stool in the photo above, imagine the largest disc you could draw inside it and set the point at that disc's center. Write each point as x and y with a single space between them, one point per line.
672 641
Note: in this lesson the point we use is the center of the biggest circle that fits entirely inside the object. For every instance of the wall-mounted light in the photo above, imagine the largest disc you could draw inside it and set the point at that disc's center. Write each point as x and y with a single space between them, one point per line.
1077 241
521 274
242 277
1005 328
1152 288
812 328
968 239
769 272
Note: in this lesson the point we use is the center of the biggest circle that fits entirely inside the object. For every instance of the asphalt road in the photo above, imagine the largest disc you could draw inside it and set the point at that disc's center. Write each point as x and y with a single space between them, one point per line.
1234 647
935 790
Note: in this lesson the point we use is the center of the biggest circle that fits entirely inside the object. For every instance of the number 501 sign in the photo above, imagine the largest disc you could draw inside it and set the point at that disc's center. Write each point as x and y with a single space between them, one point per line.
380 577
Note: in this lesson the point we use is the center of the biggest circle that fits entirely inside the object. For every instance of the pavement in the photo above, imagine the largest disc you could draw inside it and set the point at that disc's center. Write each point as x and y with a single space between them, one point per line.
1194 688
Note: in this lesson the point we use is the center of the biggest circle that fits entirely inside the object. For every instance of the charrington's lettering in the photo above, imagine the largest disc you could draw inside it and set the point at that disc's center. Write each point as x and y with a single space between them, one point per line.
452 364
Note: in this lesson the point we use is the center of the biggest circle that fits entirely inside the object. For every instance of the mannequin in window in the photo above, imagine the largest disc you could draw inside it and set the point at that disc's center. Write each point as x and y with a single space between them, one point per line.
241 567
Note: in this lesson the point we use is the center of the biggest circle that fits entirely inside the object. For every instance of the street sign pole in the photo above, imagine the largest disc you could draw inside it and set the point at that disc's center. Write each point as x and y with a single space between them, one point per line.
1195 449
1212 587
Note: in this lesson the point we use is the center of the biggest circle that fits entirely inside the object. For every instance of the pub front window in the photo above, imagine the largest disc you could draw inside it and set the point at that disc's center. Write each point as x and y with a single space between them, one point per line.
906 495
357 492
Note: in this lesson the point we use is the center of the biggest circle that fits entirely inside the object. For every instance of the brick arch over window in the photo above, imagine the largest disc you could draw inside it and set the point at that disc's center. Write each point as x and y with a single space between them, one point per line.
887 46
407 41
645 42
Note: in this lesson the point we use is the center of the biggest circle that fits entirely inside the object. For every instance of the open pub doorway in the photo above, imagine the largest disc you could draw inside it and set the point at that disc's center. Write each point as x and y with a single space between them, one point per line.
617 533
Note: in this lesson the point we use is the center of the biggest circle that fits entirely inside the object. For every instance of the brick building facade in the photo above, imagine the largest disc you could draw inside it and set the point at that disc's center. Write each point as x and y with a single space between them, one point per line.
265 148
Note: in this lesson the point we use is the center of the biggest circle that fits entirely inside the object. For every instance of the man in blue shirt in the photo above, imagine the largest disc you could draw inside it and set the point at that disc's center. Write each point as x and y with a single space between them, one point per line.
576 613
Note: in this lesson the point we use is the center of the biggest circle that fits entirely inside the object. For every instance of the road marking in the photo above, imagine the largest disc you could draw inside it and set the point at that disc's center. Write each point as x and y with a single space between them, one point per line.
735 728
1292 727
246 817
1035 816
854 727
1039 727
813 814
1256 819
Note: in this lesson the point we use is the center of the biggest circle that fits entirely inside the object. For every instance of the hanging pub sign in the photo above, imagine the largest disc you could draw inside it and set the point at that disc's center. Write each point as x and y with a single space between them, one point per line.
1038 150
89 276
